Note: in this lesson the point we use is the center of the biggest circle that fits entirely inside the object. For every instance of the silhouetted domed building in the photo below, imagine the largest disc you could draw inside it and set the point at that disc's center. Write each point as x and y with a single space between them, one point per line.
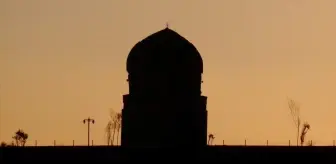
164 106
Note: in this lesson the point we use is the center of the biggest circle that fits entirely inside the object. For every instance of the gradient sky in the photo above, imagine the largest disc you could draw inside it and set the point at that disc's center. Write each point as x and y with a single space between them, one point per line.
64 60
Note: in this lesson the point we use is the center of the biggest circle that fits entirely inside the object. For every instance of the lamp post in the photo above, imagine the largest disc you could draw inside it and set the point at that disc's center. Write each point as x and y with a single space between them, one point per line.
89 120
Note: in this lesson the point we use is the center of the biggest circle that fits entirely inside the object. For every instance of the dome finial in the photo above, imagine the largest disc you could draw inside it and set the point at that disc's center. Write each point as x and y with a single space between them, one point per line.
167 25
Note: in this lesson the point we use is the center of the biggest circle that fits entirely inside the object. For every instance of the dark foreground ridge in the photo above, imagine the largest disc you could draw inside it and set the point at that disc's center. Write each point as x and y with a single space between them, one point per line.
211 153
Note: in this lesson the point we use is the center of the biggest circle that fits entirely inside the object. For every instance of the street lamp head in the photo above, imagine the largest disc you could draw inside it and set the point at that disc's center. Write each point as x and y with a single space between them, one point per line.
84 121
93 121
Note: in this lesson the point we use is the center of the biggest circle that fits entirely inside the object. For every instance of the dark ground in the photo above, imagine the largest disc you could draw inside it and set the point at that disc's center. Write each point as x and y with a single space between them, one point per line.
229 154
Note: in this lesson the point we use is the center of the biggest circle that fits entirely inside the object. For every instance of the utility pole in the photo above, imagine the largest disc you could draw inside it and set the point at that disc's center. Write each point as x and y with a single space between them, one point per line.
89 120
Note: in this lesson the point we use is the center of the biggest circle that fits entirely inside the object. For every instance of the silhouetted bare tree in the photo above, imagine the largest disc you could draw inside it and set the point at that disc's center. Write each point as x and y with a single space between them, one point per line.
20 138
110 129
113 126
295 112
304 131
118 125
211 138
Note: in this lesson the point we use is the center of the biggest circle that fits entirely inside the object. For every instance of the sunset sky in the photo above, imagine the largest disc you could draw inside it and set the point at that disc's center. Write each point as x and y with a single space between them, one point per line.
64 60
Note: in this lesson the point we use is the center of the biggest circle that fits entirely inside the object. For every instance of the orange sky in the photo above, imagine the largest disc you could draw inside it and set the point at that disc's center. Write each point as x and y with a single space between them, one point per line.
62 61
